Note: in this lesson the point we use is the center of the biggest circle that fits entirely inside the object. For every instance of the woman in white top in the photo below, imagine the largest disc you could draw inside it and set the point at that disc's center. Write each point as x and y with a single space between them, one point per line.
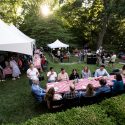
31 73
15 69
86 72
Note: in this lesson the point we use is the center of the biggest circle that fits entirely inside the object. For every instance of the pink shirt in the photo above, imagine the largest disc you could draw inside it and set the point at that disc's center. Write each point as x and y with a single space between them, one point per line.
63 77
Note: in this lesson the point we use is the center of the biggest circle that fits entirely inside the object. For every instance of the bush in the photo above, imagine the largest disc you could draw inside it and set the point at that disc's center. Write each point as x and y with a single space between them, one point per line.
115 108
90 115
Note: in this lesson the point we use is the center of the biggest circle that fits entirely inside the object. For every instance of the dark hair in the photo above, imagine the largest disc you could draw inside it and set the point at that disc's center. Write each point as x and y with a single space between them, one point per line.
123 68
72 88
118 77
62 69
51 68
102 82
74 70
102 66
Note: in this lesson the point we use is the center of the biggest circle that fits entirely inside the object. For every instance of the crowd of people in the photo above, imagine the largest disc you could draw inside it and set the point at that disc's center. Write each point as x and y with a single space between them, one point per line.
52 76
12 64
33 67
61 54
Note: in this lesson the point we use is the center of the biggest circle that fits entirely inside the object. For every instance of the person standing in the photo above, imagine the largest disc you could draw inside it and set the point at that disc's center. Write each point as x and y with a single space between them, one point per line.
61 57
15 69
31 73
2 76
113 58
58 53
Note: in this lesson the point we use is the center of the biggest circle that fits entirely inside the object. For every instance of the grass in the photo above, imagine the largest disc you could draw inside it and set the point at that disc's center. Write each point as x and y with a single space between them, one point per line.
17 104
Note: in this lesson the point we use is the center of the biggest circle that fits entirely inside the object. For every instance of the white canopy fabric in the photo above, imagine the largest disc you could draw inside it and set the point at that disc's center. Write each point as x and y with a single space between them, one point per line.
21 34
57 44
13 40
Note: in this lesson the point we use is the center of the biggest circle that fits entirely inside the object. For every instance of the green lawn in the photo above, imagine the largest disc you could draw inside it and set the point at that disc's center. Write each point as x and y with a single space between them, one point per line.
17 104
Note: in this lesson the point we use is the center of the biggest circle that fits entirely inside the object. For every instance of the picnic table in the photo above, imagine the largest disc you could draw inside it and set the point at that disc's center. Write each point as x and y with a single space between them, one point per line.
64 86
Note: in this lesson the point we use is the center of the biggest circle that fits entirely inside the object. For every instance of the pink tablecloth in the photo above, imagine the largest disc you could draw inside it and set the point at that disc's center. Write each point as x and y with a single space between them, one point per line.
62 87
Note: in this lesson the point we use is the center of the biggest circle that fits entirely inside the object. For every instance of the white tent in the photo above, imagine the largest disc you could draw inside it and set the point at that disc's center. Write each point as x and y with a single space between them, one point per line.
14 41
57 44
21 34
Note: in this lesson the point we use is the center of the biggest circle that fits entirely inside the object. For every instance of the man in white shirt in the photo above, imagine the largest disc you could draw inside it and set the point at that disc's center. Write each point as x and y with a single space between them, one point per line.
52 76
31 73
113 58
101 72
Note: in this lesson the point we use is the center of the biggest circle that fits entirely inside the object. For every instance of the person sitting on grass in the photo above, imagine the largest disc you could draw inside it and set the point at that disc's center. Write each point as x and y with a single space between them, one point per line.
74 75
50 97
89 91
118 84
63 76
52 75
101 72
71 94
104 88
37 90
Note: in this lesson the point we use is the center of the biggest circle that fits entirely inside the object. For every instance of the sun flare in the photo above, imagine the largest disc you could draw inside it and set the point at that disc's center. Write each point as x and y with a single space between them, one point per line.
45 10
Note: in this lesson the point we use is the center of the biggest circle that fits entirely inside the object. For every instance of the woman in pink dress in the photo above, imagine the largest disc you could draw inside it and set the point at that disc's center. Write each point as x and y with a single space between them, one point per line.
15 69
37 61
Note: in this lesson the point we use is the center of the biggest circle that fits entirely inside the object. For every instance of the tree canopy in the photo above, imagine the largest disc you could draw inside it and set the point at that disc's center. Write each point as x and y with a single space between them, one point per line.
96 22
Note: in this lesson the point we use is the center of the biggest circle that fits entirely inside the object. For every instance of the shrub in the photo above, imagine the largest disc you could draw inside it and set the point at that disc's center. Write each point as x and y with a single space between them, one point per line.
115 108
90 115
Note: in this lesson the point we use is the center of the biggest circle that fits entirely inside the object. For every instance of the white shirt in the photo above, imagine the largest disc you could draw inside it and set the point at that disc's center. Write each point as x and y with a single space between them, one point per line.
103 72
52 77
113 58
32 73
58 53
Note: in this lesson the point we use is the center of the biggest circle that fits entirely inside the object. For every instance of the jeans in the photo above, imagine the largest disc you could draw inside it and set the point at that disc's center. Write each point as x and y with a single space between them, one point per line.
30 82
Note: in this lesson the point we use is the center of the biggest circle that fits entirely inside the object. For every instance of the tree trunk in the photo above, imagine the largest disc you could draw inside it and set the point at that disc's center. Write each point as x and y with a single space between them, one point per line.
104 23
102 32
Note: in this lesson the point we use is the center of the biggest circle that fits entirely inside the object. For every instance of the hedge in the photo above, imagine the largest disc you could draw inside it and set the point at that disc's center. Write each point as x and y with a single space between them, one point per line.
115 108
90 115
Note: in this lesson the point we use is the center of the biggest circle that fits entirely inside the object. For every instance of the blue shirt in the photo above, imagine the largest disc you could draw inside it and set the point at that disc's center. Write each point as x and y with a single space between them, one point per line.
103 72
103 89
37 90
117 86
